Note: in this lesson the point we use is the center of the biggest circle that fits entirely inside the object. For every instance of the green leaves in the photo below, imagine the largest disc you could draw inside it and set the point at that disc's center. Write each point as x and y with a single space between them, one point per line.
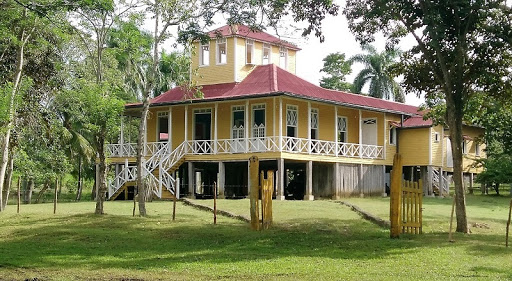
337 68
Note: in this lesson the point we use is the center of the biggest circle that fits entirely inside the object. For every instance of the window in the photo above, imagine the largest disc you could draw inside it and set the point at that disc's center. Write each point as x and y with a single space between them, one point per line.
238 129
437 138
477 149
267 53
283 57
204 54
163 126
249 51
291 121
258 117
314 123
342 129
222 51
464 147
392 135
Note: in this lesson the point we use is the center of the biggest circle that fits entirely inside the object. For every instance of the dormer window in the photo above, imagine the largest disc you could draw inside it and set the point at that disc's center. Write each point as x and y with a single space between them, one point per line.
283 57
204 54
222 51
267 53
249 51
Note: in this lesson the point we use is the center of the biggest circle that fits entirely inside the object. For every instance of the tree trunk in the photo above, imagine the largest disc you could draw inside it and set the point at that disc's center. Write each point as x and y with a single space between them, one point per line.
55 196
29 191
8 181
41 193
102 187
141 186
79 187
454 114
10 118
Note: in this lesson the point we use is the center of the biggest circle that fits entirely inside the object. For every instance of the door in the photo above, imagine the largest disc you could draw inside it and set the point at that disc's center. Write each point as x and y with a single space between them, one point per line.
369 131
258 128
202 131
238 129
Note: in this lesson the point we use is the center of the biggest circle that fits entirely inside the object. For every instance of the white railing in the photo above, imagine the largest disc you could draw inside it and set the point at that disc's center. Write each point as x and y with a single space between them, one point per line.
130 149
440 182
164 159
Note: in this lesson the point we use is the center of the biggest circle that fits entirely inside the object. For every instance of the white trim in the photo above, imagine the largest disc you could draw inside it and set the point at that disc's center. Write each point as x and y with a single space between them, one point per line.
157 131
309 120
360 132
231 123
254 107
207 110
263 53
385 126
215 124
283 50
274 116
430 146
170 134
235 59
280 124
186 122
336 128
247 119
251 43
217 43
201 54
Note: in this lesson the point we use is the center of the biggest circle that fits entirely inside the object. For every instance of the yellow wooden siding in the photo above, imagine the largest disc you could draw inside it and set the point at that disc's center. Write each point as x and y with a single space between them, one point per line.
178 125
292 61
214 73
352 123
437 146
325 122
470 157
414 146
151 124
225 116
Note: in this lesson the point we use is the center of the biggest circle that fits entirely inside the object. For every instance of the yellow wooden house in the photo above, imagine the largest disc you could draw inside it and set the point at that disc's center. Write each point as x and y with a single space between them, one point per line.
321 143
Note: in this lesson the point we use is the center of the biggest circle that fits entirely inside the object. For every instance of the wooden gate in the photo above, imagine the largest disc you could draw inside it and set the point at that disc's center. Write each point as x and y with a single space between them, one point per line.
412 201
405 202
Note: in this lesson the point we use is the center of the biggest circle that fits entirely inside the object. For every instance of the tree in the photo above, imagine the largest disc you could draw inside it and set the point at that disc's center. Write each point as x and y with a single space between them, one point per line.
461 48
336 68
377 72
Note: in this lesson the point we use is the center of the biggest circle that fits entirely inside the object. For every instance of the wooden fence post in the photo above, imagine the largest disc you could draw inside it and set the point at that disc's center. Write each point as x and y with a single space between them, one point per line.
396 194
508 222
19 194
254 166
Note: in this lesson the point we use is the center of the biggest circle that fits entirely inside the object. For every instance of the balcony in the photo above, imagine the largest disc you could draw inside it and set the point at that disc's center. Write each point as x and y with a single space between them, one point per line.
255 145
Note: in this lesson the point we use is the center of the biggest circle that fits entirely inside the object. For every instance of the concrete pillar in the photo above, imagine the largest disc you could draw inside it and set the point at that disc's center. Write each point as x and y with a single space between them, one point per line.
191 177
280 183
221 180
471 183
336 181
384 194
309 181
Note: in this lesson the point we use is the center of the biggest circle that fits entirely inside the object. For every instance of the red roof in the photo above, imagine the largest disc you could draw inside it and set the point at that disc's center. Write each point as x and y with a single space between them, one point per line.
272 80
417 121
246 32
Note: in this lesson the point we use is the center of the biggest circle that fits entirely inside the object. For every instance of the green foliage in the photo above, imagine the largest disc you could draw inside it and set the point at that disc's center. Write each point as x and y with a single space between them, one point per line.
498 169
377 71
336 67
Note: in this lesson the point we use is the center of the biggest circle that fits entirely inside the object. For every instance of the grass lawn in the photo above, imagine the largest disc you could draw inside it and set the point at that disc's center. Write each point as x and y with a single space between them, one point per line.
320 240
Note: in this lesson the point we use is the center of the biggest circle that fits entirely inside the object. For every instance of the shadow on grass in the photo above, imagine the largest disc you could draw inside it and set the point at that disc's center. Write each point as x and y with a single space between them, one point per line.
111 241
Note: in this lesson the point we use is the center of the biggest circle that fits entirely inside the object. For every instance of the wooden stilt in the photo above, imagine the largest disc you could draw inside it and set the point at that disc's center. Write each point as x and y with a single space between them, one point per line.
174 208
450 239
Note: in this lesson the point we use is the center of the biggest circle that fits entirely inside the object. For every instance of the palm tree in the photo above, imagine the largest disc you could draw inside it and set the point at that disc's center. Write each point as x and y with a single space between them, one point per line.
376 71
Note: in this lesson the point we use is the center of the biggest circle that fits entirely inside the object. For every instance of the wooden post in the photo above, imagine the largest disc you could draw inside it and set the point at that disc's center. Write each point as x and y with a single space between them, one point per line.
135 199
55 196
214 203
396 194
174 208
266 199
508 222
451 221
19 194
254 166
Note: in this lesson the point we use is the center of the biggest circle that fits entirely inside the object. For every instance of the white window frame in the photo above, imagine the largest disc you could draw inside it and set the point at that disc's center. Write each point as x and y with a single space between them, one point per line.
235 108
221 41
464 147
314 121
477 149
290 120
339 128
162 114
249 42
392 136
437 137
283 52
201 59
266 46
254 108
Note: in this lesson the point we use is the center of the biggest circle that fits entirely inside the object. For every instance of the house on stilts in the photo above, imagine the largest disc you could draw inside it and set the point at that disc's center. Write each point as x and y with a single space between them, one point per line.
321 143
